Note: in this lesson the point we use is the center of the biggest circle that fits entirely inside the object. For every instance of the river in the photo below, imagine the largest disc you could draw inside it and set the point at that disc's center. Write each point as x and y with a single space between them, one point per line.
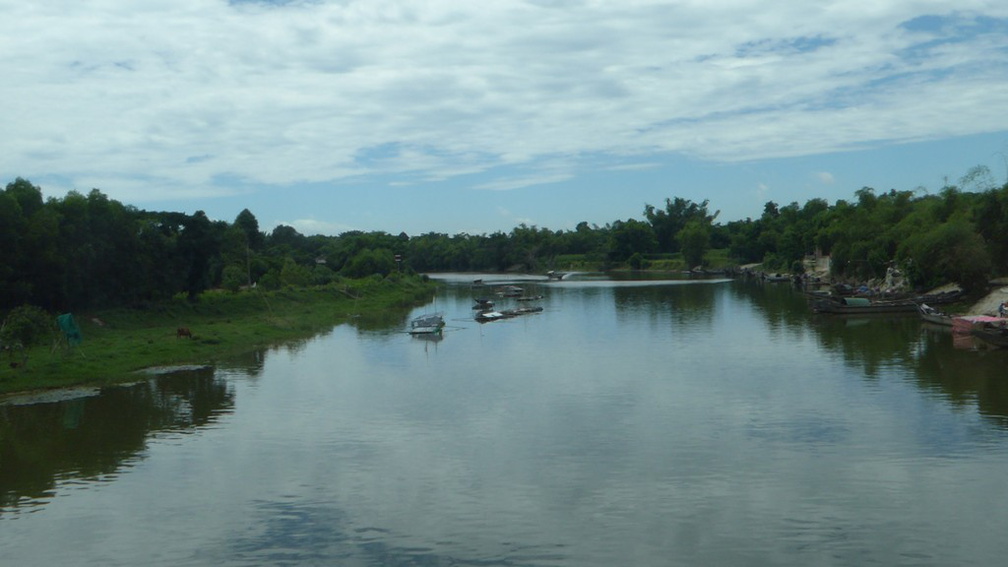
631 422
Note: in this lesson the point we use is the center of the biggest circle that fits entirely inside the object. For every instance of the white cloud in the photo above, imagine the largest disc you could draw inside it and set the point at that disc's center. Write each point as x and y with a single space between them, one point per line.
309 227
168 98
825 177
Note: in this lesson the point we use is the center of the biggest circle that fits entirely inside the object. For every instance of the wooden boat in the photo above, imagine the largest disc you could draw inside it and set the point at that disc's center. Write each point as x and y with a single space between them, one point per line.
487 316
510 291
861 305
864 305
931 315
427 324
521 311
483 303
965 324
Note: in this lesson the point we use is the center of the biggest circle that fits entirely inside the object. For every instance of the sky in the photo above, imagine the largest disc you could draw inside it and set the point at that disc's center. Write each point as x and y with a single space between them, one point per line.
475 117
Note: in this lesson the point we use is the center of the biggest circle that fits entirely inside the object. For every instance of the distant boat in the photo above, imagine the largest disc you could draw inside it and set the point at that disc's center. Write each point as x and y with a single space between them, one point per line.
510 291
521 311
487 316
483 303
427 324
862 305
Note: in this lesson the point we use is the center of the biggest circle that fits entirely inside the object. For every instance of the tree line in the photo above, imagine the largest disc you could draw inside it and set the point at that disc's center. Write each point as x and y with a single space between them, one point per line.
82 251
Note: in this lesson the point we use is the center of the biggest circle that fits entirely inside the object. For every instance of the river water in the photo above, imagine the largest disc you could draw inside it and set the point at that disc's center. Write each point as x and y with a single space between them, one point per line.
629 423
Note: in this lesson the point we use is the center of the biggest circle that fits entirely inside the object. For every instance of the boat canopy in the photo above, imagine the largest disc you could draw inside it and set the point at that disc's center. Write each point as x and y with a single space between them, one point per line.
857 301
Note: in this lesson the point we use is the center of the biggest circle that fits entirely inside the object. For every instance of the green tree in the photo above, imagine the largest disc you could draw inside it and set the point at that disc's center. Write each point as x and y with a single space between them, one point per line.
695 240
233 277
951 252
199 244
369 262
247 224
631 236
667 223
26 326
294 274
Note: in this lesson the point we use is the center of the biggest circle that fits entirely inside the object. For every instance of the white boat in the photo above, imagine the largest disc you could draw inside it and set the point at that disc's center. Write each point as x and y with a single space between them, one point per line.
427 324
931 315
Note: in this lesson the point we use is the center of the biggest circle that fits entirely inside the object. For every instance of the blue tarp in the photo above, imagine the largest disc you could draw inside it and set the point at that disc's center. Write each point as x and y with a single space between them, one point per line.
70 329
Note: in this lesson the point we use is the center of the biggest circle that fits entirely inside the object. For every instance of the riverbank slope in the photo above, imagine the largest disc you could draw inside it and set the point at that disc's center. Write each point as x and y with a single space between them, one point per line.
119 342
988 305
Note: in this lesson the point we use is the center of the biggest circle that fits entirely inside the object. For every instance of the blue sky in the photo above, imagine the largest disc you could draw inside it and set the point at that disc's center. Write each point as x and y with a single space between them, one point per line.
447 116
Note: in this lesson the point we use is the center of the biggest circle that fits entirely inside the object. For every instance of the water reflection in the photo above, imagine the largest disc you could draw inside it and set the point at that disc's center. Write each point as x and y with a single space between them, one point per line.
296 531
250 364
780 304
964 377
869 343
688 303
753 433
90 437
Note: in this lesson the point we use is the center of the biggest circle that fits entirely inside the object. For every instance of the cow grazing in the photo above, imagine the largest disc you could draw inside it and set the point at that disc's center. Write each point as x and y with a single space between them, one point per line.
183 332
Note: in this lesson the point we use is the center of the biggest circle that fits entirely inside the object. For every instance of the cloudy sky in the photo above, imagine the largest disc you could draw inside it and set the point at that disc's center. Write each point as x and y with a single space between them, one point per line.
475 116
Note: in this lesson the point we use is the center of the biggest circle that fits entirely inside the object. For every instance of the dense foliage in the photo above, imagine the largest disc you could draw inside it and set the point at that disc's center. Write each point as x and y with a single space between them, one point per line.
88 250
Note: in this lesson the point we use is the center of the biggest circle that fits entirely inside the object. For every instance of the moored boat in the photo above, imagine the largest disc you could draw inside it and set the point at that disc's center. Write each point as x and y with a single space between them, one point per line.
483 303
965 324
821 303
427 324
861 305
510 291
931 315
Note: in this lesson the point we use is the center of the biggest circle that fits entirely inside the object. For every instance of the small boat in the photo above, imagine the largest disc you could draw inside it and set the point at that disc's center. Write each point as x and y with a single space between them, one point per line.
530 298
521 311
554 275
487 316
483 303
929 314
427 324
510 291
965 324
861 305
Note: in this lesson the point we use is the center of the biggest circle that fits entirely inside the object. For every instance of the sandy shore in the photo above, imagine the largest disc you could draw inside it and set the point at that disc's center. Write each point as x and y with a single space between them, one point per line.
989 304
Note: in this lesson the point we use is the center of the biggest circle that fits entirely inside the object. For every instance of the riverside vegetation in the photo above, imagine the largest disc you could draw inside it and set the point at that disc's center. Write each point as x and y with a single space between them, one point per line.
147 271
119 341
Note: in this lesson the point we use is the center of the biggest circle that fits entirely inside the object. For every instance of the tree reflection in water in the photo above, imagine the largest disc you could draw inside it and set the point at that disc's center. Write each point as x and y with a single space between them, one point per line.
91 436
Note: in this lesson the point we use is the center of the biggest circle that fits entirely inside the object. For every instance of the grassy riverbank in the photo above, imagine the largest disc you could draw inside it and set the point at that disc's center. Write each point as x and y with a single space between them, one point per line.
118 342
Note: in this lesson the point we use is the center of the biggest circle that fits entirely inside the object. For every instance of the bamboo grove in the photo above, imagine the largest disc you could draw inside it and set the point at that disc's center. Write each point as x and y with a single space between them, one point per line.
83 251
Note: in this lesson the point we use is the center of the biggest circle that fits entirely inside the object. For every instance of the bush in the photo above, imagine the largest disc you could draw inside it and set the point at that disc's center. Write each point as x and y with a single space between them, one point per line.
25 327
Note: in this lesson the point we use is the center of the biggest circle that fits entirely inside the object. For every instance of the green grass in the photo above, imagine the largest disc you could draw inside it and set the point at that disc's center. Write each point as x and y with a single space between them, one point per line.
223 325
